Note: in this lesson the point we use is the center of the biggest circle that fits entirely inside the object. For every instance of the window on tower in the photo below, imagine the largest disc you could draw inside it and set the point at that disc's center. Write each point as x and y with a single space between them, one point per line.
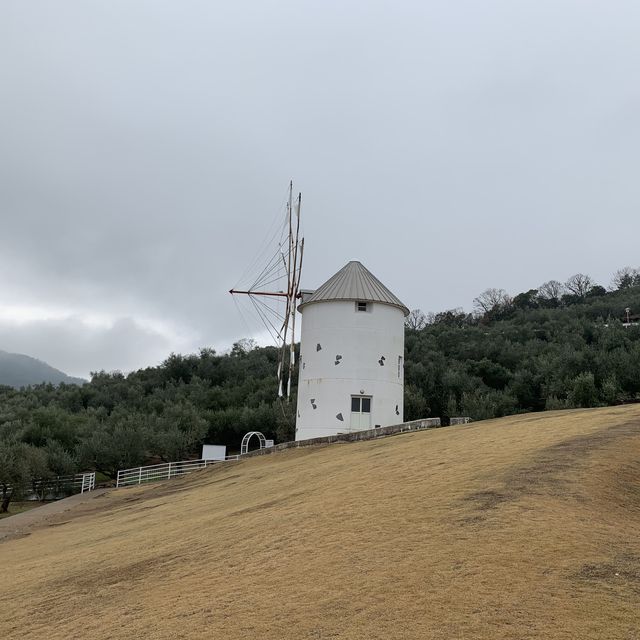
361 306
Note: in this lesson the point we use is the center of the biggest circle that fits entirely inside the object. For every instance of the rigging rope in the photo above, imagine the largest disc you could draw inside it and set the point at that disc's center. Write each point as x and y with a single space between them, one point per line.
273 263
268 324
259 256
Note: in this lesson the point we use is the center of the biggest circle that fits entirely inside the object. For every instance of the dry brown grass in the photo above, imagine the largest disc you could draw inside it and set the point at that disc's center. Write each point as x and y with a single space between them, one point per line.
525 527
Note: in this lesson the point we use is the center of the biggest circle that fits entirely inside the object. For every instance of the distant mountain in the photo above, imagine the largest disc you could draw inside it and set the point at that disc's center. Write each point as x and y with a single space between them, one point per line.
17 370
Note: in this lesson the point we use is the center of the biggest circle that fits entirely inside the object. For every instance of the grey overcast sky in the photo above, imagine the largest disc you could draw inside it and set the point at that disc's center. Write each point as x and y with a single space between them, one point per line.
451 146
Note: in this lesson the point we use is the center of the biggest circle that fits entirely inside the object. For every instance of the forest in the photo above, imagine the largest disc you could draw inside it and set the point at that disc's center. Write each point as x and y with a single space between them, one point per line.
563 345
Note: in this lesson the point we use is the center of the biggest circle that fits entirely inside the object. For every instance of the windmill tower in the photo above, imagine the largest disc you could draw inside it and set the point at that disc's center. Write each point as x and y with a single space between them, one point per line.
351 369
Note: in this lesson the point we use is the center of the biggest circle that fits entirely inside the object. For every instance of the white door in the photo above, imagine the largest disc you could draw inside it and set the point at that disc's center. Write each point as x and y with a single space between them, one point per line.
360 413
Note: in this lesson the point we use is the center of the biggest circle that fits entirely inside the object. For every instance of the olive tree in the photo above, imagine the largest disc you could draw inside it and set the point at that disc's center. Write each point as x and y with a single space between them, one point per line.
14 471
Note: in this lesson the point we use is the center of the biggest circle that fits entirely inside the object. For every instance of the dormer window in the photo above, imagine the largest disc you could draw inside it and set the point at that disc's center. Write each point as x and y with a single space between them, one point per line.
361 306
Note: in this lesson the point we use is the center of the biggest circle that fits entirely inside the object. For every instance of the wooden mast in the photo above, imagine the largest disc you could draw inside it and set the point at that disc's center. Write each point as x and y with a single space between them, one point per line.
295 285
285 324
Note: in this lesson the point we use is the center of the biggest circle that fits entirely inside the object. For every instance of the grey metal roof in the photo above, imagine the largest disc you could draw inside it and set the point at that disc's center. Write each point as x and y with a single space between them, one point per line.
354 282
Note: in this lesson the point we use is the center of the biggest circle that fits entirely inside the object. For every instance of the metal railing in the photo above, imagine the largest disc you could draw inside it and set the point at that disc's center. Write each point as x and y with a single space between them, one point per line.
88 482
56 487
163 471
78 483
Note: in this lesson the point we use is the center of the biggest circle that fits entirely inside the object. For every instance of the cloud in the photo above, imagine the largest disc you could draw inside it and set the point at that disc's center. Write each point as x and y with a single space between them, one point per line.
451 147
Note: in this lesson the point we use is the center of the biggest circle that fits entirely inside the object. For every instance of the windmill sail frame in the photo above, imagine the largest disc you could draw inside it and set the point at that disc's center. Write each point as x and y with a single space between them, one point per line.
292 261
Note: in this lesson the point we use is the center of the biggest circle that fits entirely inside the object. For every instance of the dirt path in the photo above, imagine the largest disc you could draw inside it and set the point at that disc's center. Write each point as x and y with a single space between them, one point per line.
22 523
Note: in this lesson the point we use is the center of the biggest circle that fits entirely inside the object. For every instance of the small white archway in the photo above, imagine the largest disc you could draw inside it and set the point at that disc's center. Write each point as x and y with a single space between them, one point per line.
244 446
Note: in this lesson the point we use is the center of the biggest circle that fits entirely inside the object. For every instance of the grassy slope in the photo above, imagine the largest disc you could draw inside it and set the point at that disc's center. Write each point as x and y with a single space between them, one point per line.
524 527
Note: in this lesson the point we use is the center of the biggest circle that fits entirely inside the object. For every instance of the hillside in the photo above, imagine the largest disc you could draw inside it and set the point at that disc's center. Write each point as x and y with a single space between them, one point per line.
18 370
529 353
521 527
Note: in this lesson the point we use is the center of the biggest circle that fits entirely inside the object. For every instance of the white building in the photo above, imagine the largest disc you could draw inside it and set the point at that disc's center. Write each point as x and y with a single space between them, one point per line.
351 362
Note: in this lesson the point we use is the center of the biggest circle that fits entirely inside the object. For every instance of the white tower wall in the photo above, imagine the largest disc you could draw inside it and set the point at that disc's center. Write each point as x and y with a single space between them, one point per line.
358 341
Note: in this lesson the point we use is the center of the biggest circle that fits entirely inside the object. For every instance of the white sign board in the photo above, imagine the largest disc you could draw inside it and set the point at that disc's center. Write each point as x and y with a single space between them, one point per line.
268 443
214 452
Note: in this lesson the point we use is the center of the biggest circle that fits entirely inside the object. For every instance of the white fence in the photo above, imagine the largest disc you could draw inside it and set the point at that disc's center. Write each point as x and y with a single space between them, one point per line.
163 471
88 482
56 487
78 483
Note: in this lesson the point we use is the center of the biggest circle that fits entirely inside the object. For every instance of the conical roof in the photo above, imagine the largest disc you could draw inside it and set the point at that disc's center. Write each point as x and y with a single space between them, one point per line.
354 282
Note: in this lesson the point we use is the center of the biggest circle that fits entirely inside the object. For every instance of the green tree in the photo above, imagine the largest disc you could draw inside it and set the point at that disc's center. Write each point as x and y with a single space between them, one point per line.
14 471
583 391
178 432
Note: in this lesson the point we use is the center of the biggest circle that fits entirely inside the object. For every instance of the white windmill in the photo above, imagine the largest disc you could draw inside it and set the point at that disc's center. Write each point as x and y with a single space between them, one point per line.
351 370
351 373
